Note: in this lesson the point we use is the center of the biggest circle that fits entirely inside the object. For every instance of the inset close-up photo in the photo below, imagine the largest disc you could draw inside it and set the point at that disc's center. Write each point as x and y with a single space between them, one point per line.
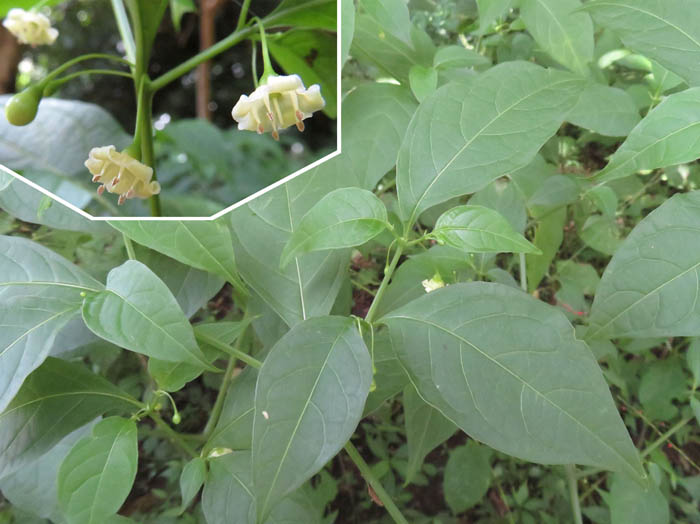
165 108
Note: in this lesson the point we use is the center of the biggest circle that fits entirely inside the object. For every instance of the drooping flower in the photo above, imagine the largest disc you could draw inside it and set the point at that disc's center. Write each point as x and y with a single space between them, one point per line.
30 27
434 283
120 173
278 103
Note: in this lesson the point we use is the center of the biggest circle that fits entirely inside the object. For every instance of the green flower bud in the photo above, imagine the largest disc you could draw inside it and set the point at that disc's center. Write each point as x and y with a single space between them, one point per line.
21 109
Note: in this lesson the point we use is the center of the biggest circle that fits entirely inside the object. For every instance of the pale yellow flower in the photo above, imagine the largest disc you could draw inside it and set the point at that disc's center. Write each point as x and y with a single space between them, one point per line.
281 102
121 174
434 283
30 27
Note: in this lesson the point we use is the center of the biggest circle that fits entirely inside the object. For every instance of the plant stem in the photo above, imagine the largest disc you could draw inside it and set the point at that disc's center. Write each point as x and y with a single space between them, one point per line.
173 436
225 383
573 493
129 247
385 282
523 273
90 56
67 78
665 436
228 349
124 28
243 15
369 477
147 154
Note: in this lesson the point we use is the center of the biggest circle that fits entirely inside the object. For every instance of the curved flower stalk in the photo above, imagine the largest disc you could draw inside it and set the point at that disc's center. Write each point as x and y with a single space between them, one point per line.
121 173
30 27
280 102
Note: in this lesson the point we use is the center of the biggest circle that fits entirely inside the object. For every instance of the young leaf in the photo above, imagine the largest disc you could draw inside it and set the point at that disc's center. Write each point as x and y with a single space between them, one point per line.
192 479
96 476
308 400
562 30
39 295
467 476
605 110
667 31
454 143
139 313
457 56
548 237
668 135
457 342
477 229
178 8
149 13
389 377
205 245
426 428
56 399
650 287
345 217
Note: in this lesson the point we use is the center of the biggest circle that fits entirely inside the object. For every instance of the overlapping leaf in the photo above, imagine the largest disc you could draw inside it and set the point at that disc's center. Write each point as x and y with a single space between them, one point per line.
507 369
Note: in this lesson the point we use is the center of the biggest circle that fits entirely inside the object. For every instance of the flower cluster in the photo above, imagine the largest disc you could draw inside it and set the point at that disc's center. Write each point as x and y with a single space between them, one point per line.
120 173
278 103
30 27
434 283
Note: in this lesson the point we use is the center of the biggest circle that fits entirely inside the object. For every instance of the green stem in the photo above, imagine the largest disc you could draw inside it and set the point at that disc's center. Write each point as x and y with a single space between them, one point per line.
523 272
385 282
173 436
573 493
129 247
243 15
267 64
147 150
665 436
369 477
225 383
228 349
67 78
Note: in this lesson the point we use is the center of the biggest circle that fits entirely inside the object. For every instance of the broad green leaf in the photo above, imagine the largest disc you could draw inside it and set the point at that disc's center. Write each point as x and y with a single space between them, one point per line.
347 19
138 312
96 476
426 428
467 476
668 135
693 358
375 118
631 504
548 237
667 31
477 229
373 44
660 385
457 342
503 196
423 81
456 56
308 286
304 13
392 15
33 487
149 14
235 427
463 137
605 110
490 11
309 398
559 190
55 400
192 479
602 233
562 30
311 55
28 204
39 296
59 140
650 287
604 199
346 217
205 245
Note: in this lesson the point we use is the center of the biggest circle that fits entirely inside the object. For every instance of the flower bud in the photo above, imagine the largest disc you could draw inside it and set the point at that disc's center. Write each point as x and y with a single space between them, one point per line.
21 109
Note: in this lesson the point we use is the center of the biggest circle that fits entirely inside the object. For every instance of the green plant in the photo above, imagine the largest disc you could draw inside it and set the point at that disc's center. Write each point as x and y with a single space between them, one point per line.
485 309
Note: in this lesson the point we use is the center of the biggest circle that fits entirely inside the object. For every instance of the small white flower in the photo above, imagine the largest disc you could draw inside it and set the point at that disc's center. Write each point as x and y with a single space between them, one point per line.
266 415
219 452
121 174
434 283
30 27
281 102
